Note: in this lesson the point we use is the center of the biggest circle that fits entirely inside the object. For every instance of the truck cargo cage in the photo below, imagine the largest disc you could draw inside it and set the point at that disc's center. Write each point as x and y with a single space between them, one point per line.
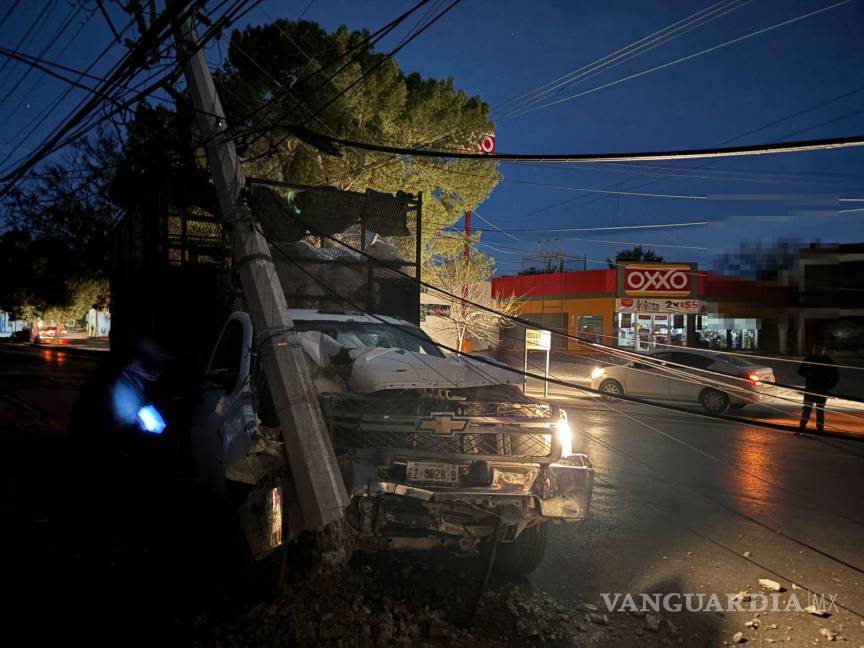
380 233
170 267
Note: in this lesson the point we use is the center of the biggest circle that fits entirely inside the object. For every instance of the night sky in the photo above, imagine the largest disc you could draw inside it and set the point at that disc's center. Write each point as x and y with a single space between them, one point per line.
504 48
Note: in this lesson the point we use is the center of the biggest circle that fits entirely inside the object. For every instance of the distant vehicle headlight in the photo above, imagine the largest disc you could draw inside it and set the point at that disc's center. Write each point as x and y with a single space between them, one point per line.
598 371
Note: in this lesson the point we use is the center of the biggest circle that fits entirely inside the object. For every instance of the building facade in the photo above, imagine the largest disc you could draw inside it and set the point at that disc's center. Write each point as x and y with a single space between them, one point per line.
643 306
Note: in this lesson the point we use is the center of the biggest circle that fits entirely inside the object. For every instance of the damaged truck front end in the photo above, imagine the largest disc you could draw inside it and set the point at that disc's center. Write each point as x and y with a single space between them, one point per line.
435 451
448 470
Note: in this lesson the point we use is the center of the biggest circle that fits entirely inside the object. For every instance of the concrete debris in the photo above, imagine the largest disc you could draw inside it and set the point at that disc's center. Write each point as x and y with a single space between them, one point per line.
385 603
752 623
738 638
767 583
829 635
652 622
747 554
816 611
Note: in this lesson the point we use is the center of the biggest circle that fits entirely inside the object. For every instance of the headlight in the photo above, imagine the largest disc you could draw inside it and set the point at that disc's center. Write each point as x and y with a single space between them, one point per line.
597 372
564 433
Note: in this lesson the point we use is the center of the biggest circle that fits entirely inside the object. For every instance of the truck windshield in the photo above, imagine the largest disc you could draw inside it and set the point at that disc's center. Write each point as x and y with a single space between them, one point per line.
354 335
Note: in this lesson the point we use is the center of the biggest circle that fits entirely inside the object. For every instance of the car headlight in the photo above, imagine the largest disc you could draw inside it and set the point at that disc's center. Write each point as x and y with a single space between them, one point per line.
598 371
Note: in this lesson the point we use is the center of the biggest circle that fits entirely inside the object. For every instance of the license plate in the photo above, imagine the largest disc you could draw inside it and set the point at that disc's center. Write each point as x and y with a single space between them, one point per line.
433 473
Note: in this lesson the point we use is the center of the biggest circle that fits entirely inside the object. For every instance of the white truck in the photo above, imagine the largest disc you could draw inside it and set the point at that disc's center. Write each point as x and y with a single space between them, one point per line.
436 451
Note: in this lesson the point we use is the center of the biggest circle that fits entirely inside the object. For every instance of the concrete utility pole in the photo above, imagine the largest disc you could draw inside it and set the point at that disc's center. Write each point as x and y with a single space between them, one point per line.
314 470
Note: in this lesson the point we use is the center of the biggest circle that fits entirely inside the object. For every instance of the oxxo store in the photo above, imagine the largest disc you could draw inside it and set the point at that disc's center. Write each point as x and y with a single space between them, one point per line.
656 305
637 306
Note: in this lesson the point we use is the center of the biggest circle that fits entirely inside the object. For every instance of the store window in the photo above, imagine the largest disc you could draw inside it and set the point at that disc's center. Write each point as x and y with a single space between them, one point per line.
590 328
649 331
716 332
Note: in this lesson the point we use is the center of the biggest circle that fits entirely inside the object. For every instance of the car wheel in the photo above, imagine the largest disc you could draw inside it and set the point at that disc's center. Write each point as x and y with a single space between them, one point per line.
523 555
714 401
611 388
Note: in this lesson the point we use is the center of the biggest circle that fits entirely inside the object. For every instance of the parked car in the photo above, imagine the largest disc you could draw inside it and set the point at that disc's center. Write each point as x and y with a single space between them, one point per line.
714 380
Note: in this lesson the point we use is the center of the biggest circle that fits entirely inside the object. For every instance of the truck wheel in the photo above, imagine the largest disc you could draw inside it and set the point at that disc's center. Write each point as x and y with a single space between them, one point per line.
524 554
714 401
611 388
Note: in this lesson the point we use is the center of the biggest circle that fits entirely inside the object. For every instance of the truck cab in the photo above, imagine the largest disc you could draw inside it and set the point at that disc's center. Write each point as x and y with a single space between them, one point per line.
435 450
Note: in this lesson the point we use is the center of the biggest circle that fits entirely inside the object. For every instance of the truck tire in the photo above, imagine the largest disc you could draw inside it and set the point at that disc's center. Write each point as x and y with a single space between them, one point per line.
523 555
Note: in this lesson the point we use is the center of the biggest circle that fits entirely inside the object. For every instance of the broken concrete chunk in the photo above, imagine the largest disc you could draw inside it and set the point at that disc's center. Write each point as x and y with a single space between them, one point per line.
738 638
767 583
652 622
830 635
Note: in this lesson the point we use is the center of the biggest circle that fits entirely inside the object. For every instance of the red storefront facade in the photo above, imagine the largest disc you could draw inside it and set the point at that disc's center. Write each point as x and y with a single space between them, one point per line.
642 306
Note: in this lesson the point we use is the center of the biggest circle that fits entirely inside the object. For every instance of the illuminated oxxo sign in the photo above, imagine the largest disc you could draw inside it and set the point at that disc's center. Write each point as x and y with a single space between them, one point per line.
657 280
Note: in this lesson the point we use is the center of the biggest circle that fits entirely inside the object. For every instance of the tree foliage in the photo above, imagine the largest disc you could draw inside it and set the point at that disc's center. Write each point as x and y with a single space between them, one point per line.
76 199
37 282
289 61
637 253
464 282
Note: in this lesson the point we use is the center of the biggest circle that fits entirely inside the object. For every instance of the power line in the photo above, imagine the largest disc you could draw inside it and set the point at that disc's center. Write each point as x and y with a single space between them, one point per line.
126 68
525 322
23 38
684 154
52 39
39 81
671 437
646 44
688 57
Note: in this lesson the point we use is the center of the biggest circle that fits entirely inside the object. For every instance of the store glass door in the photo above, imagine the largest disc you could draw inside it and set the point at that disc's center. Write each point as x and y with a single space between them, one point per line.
652 331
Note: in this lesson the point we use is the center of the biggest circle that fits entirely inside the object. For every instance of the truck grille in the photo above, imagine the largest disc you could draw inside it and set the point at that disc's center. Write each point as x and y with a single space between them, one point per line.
521 432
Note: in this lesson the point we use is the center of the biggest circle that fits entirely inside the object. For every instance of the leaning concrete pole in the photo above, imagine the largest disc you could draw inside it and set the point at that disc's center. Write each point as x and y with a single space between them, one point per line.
313 465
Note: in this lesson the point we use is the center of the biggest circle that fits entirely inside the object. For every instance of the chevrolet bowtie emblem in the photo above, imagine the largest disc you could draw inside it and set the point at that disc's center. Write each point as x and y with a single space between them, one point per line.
442 424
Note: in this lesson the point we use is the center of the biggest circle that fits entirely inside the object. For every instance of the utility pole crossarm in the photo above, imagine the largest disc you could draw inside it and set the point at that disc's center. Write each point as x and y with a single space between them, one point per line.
314 470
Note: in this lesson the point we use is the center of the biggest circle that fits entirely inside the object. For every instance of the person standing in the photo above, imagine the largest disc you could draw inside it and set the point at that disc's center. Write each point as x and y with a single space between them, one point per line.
819 376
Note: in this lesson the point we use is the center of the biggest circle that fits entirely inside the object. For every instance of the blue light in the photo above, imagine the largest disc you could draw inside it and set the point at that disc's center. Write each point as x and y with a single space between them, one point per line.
150 420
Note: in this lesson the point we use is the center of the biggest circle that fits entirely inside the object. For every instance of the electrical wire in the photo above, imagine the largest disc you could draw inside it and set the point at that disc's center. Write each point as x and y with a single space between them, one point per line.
686 58
481 359
516 319
623 55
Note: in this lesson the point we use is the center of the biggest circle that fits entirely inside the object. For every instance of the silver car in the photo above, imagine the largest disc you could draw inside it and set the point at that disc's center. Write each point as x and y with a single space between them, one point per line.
716 381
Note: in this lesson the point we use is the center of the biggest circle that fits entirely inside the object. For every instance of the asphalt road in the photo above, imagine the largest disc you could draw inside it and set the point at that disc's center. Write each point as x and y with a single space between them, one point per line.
685 504
682 504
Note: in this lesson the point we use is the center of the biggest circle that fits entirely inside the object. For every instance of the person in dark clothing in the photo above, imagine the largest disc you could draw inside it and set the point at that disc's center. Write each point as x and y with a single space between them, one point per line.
819 376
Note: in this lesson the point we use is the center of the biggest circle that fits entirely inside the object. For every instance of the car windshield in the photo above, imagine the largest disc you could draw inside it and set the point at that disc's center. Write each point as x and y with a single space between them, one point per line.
354 334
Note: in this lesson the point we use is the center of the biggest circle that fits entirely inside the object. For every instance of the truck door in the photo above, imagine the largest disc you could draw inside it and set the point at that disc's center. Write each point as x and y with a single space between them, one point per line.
221 426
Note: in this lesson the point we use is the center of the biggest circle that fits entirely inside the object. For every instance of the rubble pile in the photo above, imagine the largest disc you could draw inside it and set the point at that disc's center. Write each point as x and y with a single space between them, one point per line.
389 603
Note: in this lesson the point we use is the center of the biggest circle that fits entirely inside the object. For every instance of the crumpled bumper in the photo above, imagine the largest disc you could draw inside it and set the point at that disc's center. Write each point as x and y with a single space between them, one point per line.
518 494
